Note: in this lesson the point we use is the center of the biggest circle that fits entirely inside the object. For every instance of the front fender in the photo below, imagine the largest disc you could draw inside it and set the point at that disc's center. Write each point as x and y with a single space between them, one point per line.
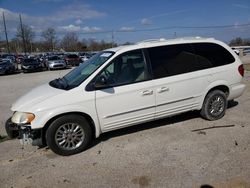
42 117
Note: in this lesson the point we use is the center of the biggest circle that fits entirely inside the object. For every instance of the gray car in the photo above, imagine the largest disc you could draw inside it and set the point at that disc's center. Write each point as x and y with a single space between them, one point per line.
55 62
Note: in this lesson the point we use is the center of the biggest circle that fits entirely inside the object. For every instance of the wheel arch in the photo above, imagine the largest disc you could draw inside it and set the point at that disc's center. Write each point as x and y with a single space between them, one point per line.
95 132
222 87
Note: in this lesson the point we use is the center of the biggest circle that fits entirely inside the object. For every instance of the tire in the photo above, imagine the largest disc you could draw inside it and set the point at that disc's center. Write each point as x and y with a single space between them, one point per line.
214 105
69 134
10 132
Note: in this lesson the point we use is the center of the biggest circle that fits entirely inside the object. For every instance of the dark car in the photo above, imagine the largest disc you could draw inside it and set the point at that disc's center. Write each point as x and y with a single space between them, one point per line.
29 65
72 60
7 66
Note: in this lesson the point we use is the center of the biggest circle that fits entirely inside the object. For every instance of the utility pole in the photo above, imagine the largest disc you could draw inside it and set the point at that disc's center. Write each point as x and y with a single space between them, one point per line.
24 42
175 35
5 30
113 38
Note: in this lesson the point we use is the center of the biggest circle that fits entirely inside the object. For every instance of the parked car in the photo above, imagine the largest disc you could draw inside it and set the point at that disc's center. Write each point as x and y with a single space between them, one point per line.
10 57
246 51
7 66
84 56
237 51
129 85
20 59
55 62
72 60
30 65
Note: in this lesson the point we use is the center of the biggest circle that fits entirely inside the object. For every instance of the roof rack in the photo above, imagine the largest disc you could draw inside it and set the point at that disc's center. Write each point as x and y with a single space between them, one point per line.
152 40
193 38
174 39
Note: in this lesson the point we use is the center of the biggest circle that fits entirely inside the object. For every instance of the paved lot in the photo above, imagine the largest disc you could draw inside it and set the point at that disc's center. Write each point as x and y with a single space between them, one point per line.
182 151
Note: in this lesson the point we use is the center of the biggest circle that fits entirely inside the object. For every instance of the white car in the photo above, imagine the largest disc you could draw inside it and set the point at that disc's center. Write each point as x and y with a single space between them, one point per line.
237 51
246 51
129 85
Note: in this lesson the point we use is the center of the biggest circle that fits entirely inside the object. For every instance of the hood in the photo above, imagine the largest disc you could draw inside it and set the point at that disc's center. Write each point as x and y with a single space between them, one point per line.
55 61
34 97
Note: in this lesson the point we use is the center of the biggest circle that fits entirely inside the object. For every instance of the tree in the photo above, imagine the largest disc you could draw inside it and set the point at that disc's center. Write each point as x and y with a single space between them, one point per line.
70 42
49 36
28 35
239 42
94 45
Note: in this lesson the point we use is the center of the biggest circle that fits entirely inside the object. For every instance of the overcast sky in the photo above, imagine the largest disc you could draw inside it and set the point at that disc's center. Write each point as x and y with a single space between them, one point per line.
131 20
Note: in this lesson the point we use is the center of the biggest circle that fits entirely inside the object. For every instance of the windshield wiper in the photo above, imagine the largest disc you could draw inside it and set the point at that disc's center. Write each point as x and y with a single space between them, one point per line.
63 82
60 83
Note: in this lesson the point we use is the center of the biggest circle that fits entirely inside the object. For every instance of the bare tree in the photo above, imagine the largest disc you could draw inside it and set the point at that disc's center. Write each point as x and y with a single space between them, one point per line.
49 36
239 42
70 42
28 35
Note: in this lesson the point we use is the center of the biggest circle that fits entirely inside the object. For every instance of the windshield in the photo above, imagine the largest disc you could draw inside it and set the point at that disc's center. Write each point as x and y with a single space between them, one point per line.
54 58
30 61
72 56
75 77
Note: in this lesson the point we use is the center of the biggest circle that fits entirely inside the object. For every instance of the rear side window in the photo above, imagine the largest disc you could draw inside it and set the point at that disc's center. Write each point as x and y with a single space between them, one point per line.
172 60
213 53
177 59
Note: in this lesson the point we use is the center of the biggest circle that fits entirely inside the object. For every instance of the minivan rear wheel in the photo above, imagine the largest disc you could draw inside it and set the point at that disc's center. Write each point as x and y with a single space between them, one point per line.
214 105
69 134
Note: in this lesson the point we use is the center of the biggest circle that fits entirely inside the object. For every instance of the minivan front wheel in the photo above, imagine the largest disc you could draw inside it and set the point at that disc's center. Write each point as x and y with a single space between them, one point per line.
69 134
214 106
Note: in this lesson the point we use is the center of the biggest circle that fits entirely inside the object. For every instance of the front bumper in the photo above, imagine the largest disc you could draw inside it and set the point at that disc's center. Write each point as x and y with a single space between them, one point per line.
25 133
31 68
57 66
2 70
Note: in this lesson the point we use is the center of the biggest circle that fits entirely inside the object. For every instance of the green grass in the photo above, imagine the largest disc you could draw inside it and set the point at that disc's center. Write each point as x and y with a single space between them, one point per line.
247 67
3 138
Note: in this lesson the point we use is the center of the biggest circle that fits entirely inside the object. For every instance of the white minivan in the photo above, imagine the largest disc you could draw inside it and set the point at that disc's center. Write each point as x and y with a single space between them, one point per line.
129 85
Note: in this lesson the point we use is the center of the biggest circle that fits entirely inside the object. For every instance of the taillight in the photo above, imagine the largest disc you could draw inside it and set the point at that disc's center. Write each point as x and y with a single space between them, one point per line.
241 70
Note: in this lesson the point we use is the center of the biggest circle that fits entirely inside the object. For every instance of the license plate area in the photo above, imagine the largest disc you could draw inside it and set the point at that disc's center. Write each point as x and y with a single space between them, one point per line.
25 139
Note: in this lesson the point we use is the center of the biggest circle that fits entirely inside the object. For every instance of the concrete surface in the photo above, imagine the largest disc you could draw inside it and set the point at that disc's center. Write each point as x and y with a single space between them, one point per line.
182 151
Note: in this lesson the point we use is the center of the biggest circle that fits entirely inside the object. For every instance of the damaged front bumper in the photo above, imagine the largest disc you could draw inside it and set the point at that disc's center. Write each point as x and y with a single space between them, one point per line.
24 133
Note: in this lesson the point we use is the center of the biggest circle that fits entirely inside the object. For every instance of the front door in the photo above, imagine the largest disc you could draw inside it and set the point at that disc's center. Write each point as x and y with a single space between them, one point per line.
129 96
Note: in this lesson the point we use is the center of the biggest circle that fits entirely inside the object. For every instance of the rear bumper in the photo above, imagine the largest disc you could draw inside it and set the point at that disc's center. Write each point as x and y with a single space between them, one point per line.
236 91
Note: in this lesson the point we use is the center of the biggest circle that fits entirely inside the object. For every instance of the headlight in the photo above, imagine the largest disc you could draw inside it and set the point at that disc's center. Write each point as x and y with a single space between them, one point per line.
22 117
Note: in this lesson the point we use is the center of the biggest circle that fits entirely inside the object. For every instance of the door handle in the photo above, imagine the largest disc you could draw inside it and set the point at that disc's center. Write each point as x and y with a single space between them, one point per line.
147 92
163 89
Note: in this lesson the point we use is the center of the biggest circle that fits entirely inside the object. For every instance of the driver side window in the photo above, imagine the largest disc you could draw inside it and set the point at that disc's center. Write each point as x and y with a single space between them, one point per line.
127 68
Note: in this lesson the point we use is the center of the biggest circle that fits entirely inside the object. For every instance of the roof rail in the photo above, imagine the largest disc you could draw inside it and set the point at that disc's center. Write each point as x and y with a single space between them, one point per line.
151 40
196 37
174 39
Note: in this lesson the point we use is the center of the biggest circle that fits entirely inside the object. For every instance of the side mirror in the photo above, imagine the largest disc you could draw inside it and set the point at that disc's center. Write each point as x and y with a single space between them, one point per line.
101 82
